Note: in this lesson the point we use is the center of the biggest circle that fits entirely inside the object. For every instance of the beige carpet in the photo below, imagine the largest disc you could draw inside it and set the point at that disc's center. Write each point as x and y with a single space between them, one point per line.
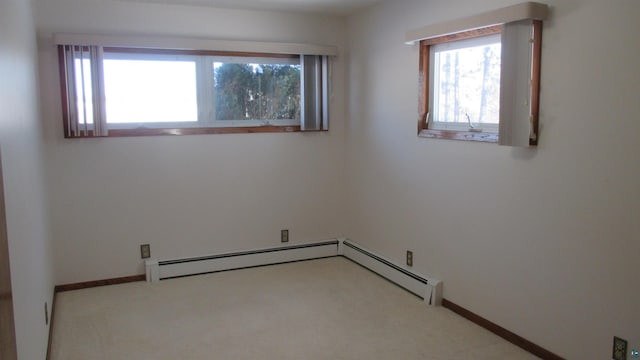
320 309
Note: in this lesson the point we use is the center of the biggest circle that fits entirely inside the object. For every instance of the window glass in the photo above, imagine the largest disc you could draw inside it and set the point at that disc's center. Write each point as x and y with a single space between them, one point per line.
150 91
466 88
257 91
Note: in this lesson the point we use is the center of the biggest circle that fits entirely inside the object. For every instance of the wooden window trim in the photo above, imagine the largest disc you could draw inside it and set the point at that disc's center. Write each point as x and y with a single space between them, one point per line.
193 131
459 135
125 50
535 80
423 79
171 131
62 70
469 34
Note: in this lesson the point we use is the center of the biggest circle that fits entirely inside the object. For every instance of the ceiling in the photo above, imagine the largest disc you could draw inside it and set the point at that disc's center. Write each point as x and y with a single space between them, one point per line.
336 7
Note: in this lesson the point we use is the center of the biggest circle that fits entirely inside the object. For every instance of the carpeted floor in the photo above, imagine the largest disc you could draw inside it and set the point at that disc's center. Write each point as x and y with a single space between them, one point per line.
320 309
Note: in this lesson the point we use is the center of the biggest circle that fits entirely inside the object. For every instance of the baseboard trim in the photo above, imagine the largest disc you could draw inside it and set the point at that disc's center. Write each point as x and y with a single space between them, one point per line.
97 283
502 332
80 286
51 319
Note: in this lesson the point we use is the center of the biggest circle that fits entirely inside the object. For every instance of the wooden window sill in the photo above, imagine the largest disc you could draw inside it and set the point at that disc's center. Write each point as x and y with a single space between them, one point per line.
194 131
459 135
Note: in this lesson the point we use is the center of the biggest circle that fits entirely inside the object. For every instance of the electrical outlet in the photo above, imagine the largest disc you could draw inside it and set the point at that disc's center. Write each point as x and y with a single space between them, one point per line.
145 251
409 258
619 349
46 313
284 235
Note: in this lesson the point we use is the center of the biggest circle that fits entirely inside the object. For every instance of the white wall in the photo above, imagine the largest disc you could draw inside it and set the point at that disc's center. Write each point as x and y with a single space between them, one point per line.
186 195
544 242
22 160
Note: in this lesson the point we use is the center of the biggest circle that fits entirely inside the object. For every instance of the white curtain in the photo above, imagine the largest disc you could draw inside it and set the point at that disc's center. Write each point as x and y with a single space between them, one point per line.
515 84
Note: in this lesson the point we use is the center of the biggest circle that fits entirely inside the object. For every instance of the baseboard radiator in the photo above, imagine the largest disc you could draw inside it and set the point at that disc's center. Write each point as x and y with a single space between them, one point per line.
168 269
426 288
430 290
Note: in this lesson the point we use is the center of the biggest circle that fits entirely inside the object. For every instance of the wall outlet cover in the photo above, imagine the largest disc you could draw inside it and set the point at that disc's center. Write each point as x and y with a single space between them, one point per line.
145 251
619 349
409 258
284 235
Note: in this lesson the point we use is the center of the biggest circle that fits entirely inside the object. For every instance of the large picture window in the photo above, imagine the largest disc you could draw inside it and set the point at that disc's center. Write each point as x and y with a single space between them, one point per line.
114 91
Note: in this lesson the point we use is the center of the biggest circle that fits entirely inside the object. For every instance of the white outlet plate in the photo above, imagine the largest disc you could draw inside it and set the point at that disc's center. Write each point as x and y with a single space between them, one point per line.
145 251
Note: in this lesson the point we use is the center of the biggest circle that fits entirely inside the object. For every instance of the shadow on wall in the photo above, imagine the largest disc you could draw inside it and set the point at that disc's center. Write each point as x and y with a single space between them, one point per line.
523 153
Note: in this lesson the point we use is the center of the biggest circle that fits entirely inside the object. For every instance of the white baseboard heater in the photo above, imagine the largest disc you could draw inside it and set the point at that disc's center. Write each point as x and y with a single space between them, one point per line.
168 269
428 289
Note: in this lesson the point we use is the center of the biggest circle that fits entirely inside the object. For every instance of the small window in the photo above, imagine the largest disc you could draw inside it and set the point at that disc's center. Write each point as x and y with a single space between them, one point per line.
474 82
159 92
466 84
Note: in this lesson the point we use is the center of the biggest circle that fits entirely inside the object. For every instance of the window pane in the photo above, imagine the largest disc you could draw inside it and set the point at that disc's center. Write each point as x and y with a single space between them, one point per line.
467 84
150 91
248 91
